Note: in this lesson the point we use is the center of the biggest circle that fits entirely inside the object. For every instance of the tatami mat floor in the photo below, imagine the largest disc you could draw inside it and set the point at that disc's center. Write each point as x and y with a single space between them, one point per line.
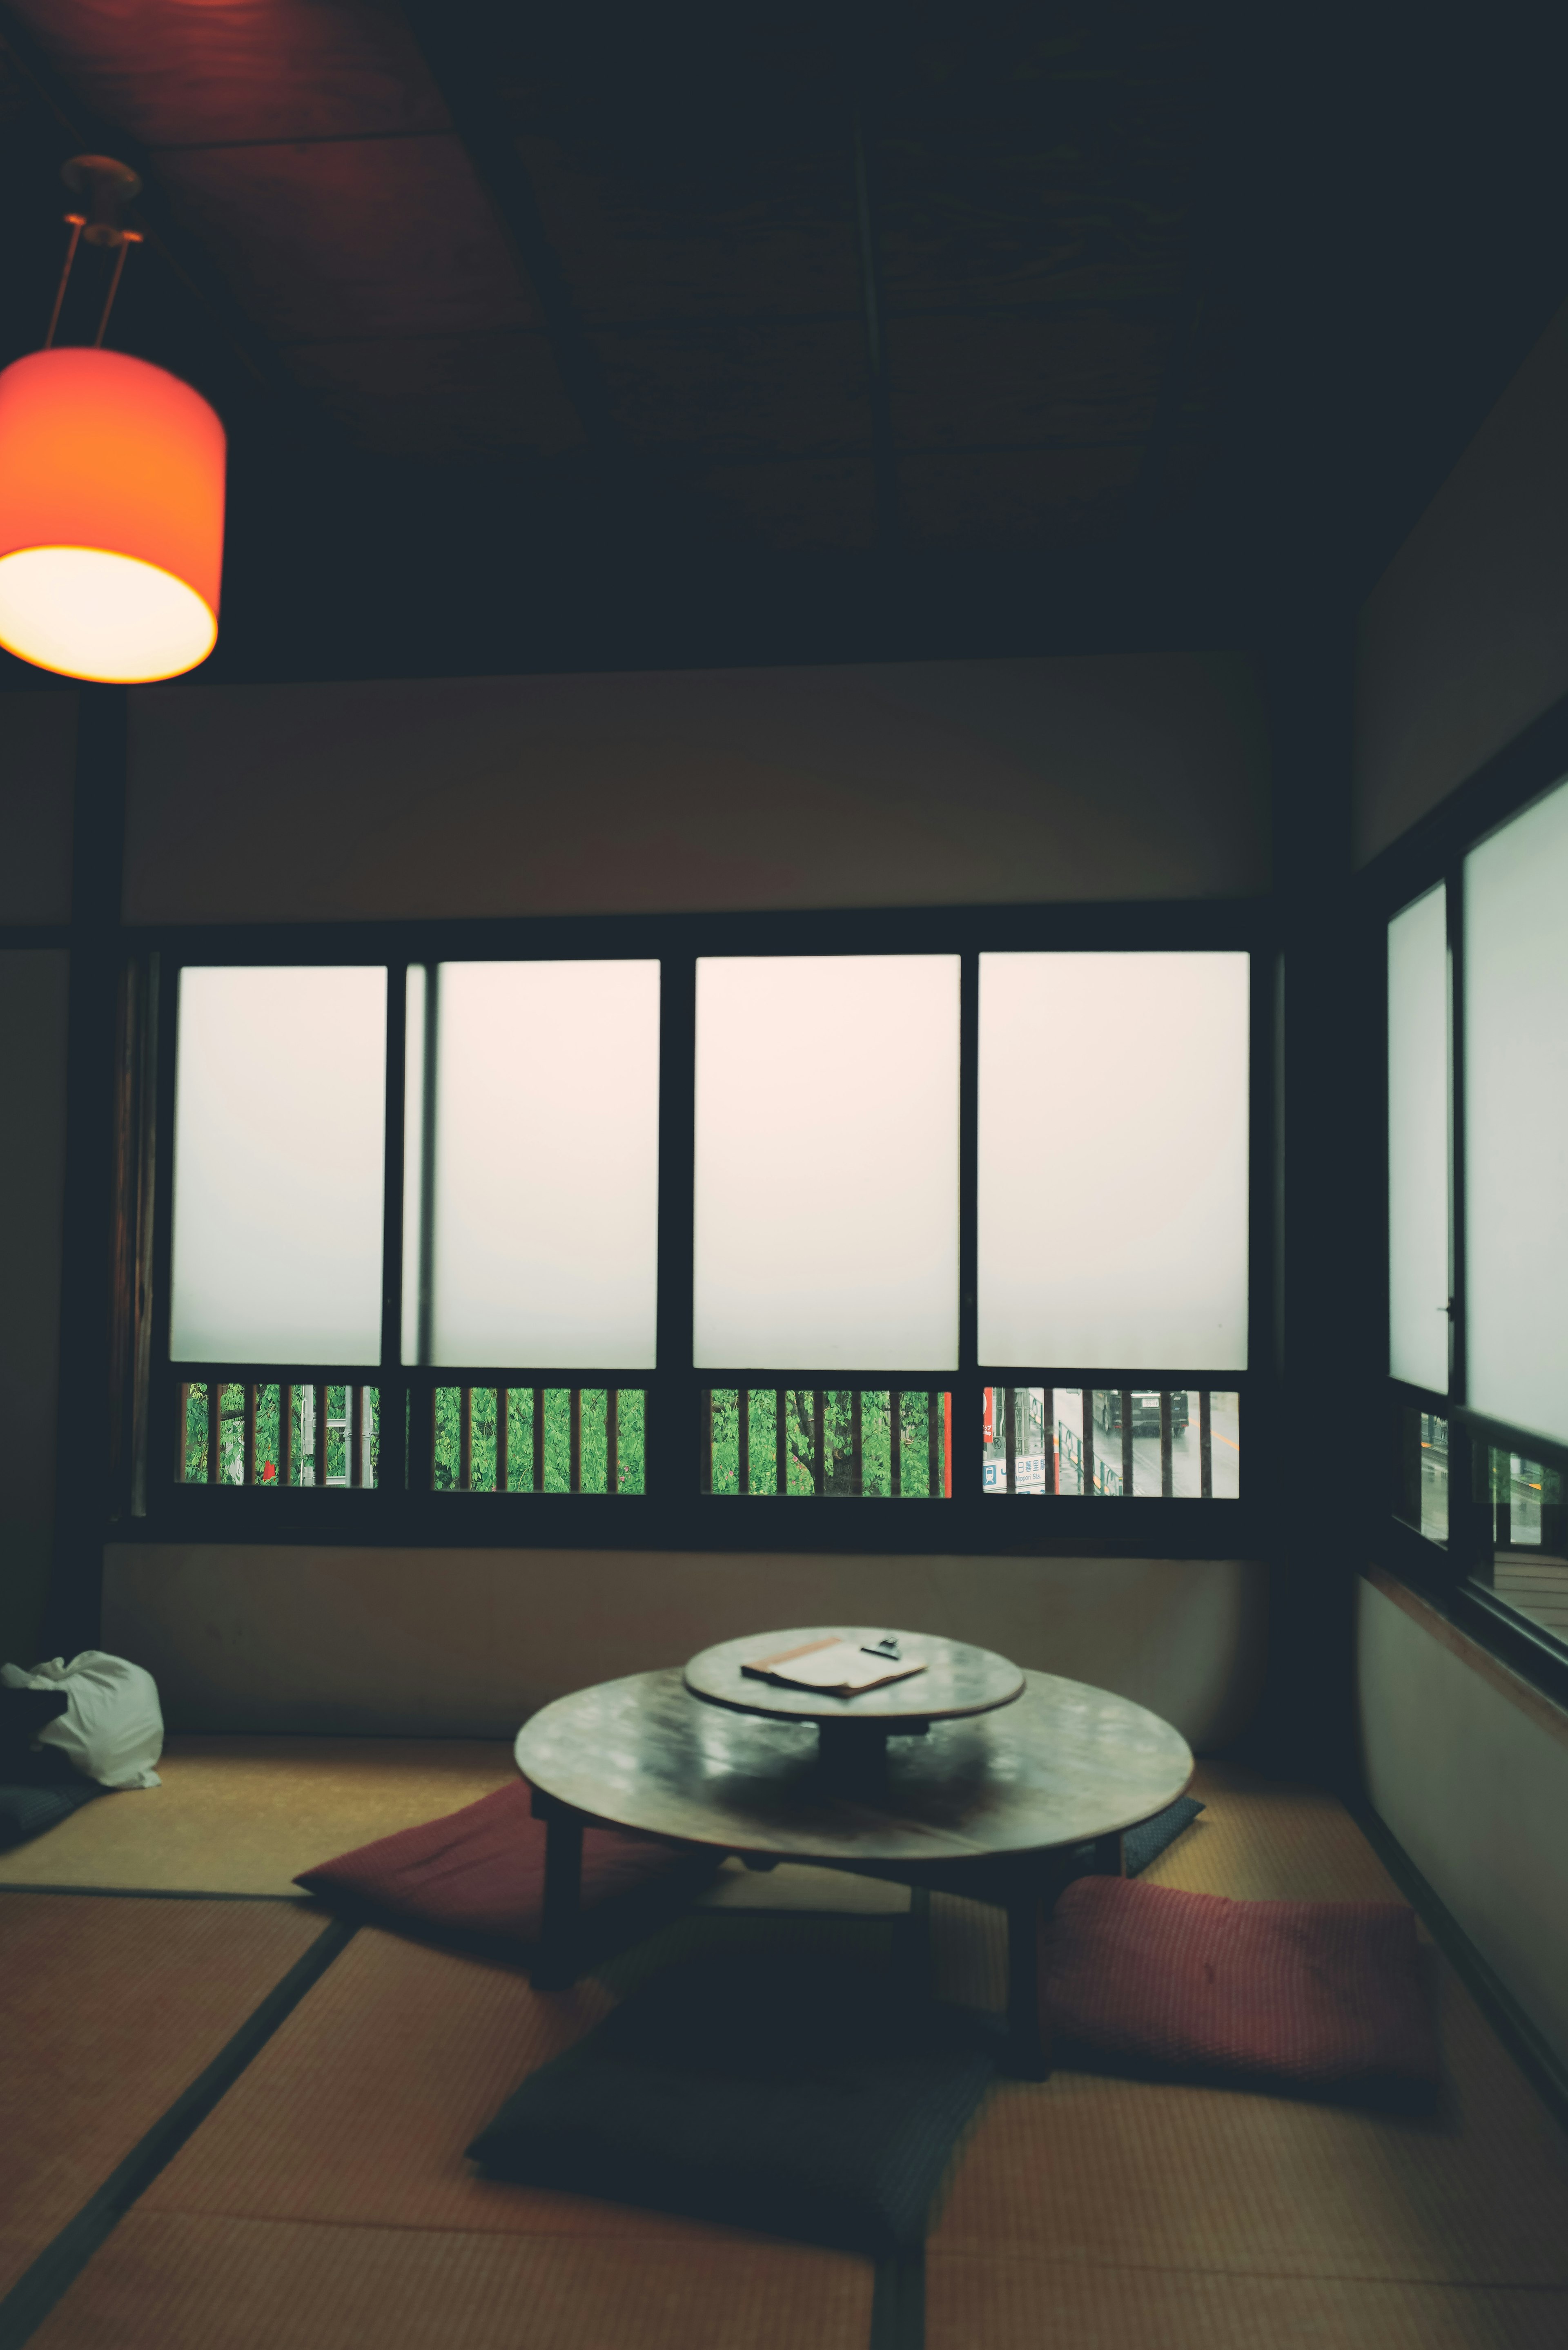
325 2202
245 1815
1192 2217
110 2009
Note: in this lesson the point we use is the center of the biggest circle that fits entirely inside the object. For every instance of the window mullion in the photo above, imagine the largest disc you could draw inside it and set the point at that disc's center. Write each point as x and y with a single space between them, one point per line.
1458 1392
392 1467
165 1412
1463 1529
967 1407
671 1453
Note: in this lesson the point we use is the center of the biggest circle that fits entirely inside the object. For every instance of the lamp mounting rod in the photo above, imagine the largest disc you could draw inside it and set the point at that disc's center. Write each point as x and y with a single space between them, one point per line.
108 187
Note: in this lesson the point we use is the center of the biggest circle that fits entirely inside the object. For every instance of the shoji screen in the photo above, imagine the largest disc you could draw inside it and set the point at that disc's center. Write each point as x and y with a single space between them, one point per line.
1113 1175
533 1239
1516 1120
827 1162
279 1166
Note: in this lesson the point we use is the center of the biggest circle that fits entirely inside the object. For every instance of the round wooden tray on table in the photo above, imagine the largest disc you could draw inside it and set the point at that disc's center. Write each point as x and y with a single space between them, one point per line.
954 1683
992 1804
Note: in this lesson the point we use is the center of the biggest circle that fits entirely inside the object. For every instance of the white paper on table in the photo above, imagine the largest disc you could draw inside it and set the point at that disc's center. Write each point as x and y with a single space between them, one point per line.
830 1665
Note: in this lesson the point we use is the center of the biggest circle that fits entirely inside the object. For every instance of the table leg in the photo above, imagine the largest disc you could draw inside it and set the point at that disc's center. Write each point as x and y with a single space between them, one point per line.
914 1940
555 1964
1109 1860
1028 2054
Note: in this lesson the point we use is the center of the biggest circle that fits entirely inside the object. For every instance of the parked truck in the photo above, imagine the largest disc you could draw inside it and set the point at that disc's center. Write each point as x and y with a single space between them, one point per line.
1145 1410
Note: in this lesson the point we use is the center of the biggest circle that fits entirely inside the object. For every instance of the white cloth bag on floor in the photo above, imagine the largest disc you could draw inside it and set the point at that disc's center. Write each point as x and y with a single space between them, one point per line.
113 1727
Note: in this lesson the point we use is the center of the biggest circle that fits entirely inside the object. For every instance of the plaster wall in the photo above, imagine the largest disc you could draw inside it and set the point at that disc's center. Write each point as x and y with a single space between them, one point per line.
1464 640
467 1643
1471 1776
934 783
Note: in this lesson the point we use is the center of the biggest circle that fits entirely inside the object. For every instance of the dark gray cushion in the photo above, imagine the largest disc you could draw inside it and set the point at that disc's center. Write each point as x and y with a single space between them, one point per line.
1146 1842
27 1811
812 2097
1149 1838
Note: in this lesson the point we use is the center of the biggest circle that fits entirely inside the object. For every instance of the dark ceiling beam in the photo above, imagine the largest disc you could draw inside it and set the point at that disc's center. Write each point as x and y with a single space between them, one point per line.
451 42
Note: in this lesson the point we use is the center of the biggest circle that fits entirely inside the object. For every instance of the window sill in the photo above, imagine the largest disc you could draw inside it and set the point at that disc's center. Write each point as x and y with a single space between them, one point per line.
1063 1526
1529 1673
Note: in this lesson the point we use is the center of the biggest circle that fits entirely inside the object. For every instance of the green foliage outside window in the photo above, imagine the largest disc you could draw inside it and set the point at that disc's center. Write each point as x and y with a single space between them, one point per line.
836 1464
269 1466
448 1426
520 1440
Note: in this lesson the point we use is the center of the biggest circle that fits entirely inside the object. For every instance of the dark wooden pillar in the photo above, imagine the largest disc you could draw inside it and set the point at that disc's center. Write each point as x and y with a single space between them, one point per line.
95 1383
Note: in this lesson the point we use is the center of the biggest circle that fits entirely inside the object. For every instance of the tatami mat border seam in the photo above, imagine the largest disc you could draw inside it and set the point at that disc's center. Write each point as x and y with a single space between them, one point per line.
160 1893
1536 2059
898 2302
1005 2256
337 2223
46 2283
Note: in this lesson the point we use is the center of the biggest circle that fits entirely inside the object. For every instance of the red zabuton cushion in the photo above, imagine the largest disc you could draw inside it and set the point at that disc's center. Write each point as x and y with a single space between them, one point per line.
1317 1995
482 1870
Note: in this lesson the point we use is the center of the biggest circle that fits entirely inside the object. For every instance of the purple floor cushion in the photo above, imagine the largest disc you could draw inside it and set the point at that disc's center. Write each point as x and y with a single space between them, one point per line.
1314 1995
480 1873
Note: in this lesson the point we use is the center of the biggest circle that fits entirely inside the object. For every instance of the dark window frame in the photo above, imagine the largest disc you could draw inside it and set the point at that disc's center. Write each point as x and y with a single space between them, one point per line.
672 1514
1446 1574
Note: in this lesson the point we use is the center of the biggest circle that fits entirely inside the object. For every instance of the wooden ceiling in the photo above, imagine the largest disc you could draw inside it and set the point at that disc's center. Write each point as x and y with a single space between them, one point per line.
608 333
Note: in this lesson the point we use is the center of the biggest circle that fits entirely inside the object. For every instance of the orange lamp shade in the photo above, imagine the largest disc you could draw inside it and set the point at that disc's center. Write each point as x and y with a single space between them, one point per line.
111 517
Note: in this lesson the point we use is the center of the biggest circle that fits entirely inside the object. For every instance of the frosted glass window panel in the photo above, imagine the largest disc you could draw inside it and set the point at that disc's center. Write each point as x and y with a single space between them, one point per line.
544 1200
1516 1120
1112 1188
279 1166
826 1162
1418 1142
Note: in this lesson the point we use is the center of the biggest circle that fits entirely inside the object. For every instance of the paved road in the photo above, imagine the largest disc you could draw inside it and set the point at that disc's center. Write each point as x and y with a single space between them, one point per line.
1186 1474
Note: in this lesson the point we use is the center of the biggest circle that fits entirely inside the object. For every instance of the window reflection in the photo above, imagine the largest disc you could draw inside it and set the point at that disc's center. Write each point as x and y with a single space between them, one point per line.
1528 1567
1423 1472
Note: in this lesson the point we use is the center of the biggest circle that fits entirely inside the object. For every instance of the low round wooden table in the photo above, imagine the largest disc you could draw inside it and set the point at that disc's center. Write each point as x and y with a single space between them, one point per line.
990 1806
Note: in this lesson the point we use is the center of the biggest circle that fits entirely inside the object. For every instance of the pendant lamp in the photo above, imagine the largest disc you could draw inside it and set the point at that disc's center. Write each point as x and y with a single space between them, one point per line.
111 490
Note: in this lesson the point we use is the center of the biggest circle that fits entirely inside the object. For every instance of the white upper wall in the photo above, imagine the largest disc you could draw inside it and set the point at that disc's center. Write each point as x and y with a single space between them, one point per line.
1464 639
932 783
